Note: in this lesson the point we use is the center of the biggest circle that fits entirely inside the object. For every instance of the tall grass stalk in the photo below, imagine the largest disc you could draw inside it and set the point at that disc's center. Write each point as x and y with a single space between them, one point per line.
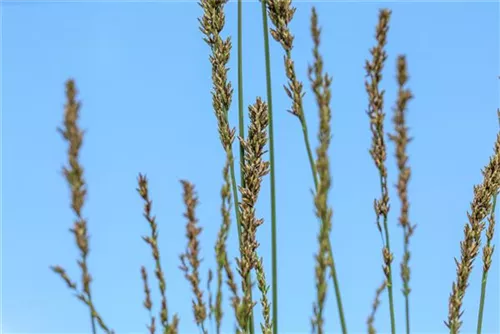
487 257
320 84
190 259
211 25
253 168
378 148
73 173
152 241
241 117
274 241
321 88
281 13
469 247
223 264
487 251
401 139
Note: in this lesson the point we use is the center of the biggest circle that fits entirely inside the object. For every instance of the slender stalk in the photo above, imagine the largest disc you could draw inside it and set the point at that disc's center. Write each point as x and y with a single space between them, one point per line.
281 14
401 139
241 118
241 121
487 254
469 247
73 173
321 83
378 147
255 168
211 24
309 154
272 173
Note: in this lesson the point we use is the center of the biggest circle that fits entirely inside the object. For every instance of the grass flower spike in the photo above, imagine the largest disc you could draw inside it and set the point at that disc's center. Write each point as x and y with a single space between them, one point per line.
254 170
74 176
378 148
190 260
401 139
152 241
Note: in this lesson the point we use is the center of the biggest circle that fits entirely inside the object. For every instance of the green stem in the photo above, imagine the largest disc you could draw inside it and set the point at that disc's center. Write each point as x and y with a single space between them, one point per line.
333 271
484 280
406 288
241 121
336 286
272 170
407 310
389 277
92 318
309 151
235 196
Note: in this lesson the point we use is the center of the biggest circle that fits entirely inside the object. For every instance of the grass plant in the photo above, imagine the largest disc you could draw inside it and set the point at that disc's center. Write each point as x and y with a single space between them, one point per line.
238 278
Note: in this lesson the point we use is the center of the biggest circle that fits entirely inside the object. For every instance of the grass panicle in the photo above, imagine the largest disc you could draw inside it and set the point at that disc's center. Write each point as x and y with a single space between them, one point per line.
401 139
148 304
73 173
376 302
281 13
211 25
469 247
324 259
190 259
223 264
254 168
378 149
488 250
152 241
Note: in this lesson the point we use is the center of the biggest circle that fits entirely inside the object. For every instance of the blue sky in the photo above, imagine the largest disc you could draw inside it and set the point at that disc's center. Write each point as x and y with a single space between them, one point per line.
143 74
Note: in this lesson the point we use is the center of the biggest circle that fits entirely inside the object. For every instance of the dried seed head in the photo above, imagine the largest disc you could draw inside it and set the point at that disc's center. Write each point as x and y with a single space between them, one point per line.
480 207
72 134
152 241
281 13
254 169
401 139
211 24
190 260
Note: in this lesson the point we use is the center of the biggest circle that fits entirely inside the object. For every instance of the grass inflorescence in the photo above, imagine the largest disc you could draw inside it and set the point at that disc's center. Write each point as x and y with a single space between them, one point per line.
236 280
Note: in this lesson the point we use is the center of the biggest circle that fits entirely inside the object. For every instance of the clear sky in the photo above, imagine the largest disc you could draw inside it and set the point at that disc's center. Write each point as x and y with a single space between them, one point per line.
143 74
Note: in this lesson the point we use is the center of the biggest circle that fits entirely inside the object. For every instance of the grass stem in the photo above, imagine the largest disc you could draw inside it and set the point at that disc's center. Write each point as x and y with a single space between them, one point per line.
241 118
488 252
272 170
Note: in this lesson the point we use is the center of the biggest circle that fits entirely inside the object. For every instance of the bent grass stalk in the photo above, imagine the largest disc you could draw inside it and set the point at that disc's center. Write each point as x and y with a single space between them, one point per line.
281 13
